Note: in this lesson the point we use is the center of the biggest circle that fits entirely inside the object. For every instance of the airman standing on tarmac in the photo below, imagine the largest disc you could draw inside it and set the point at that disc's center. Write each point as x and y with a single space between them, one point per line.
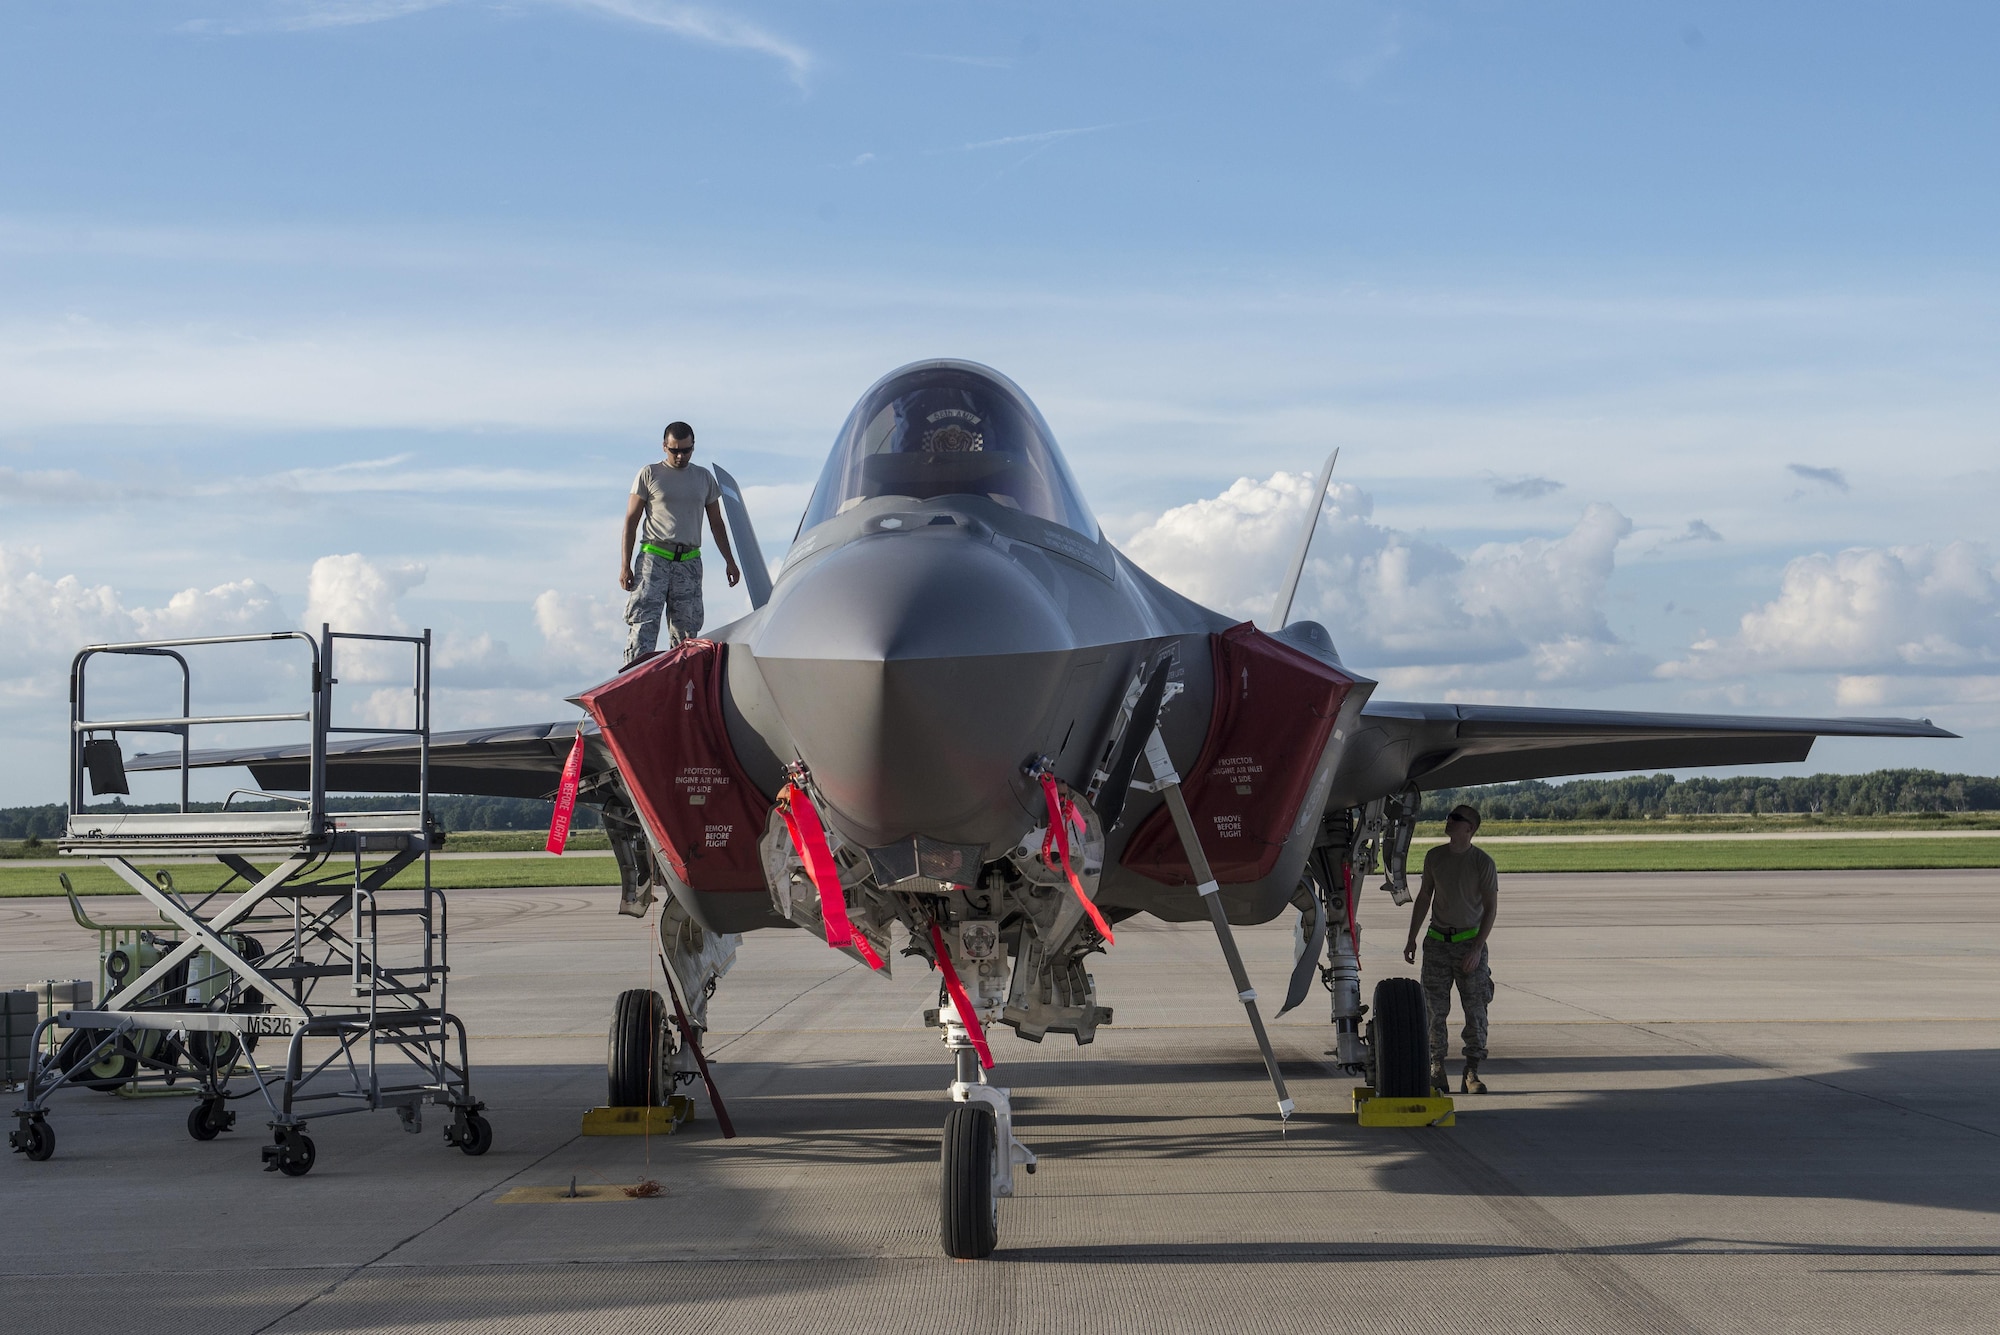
1461 892
670 498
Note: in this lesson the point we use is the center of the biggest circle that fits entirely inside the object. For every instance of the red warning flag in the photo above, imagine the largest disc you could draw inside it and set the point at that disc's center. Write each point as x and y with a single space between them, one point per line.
809 842
566 797
1061 812
960 1001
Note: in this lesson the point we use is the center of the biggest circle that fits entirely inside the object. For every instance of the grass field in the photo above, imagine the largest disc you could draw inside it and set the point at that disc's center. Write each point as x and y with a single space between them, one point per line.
1746 855
1736 855
1779 823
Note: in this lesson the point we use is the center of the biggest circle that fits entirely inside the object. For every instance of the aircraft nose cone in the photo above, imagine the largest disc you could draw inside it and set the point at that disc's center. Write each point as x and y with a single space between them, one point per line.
916 674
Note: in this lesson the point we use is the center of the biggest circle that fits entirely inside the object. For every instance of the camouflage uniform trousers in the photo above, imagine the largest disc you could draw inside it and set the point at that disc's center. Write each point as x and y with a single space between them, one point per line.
664 589
1475 991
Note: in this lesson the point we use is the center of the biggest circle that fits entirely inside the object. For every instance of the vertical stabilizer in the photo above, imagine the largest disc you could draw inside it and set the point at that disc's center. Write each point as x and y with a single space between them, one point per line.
749 554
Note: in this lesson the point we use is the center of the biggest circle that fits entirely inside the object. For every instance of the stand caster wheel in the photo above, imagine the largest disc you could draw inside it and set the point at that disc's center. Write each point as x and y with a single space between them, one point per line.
471 1133
36 1139
292 1153
209 1118
968 1211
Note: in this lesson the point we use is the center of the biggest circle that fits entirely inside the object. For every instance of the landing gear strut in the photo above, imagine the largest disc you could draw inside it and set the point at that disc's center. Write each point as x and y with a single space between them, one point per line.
977 1160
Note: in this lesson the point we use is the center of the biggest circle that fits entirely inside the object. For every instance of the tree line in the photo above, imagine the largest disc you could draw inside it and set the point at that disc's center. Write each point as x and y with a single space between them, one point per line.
1882 793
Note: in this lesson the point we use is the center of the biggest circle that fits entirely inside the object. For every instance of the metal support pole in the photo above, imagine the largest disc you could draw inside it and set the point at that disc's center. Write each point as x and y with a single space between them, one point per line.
1169 782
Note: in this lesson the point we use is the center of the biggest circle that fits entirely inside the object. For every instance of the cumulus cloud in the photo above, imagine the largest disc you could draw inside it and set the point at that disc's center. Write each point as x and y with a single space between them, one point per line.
352 593
580 630
1868 612
47 620
1509 614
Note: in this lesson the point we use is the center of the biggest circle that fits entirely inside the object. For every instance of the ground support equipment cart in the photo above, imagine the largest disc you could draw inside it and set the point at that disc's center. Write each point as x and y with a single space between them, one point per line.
305 946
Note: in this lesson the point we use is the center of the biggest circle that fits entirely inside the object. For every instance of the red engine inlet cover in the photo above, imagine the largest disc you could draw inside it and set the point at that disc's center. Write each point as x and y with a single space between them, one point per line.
663 722
1274 710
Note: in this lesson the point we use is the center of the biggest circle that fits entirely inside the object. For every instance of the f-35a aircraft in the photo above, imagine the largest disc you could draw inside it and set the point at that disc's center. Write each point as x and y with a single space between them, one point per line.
959 711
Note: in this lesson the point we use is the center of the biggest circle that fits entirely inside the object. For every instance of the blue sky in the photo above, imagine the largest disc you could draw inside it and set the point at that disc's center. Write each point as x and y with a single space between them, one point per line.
1658 338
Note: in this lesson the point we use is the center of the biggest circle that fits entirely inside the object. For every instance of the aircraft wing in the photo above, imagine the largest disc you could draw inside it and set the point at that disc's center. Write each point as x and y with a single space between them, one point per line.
520 761
1457 746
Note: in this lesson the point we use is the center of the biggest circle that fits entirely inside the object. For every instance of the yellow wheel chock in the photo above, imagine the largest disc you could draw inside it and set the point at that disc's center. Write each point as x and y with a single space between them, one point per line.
1373 1110
639 1121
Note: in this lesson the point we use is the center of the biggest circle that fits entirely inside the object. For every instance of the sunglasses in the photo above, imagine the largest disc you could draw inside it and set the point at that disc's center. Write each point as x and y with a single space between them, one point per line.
680 449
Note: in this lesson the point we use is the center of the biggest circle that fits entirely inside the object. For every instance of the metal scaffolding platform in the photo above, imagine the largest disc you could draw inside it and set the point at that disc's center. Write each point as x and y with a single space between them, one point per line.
306 942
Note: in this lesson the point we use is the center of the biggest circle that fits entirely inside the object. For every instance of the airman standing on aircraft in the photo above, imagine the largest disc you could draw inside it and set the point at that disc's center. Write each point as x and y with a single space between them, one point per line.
669 497
1461 892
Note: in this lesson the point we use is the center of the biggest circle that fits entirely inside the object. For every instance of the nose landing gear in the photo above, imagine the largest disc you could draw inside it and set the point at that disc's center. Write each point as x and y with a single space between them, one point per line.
979 1151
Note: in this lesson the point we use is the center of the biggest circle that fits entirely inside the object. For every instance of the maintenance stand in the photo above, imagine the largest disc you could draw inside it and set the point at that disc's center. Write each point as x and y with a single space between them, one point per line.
304 942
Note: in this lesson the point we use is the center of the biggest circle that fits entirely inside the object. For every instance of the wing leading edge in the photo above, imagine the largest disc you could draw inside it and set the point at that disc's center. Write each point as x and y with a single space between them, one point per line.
523 761
1458 746
1396 743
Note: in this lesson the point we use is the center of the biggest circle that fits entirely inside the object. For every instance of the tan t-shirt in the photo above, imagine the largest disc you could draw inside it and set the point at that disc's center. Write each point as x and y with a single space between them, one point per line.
675 499
1457 882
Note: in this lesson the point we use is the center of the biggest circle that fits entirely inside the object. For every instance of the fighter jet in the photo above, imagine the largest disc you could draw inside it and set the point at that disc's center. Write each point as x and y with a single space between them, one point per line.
960 726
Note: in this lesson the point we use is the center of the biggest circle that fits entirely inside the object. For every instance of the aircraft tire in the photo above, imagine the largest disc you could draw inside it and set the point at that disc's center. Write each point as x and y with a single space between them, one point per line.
636 1064
968 1212
1401 1021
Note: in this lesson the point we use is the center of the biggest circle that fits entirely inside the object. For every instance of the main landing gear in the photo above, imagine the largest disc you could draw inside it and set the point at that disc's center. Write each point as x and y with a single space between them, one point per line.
1399 1036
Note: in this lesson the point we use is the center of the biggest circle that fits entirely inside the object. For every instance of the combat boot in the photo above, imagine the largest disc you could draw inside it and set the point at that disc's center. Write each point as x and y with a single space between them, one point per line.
1440 1082
1470 1083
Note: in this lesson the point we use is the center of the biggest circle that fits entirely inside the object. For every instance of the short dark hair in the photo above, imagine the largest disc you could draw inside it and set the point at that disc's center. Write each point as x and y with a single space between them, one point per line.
678 430
1466 812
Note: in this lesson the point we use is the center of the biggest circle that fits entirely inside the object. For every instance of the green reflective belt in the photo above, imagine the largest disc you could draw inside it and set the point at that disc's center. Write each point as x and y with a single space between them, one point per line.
1455 937
691 554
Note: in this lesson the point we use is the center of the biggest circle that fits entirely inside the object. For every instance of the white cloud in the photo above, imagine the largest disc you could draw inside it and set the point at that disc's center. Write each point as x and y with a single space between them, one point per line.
351 593
47 620
44 622
241 607
311 15
581 629
706 25
1043 137
1393 600
1868 612
1882 691
695 22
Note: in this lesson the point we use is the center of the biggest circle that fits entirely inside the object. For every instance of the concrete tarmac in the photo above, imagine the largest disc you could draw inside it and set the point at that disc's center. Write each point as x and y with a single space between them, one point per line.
1755 1102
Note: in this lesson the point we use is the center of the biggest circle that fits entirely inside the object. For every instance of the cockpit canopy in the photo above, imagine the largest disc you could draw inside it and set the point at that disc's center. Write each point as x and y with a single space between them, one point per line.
949 428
